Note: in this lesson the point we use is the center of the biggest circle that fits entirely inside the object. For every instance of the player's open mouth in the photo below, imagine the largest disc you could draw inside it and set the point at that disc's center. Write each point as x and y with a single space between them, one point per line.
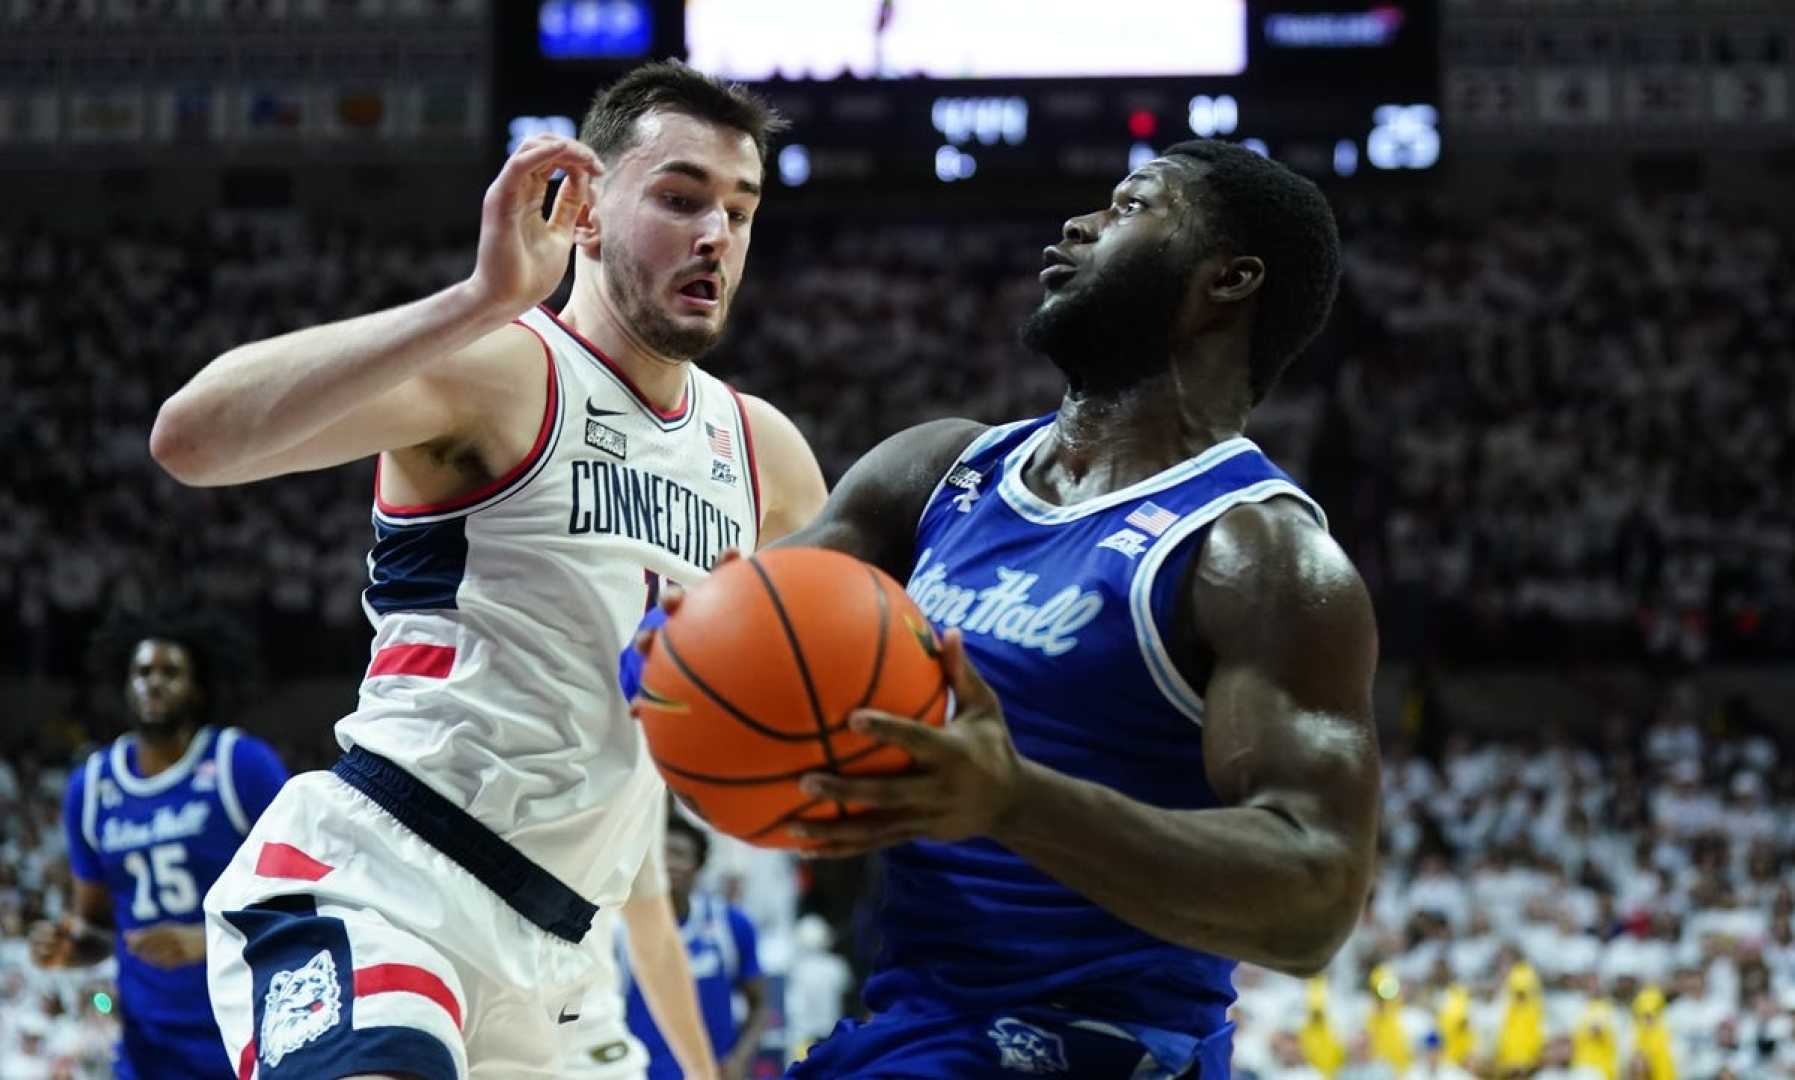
701 293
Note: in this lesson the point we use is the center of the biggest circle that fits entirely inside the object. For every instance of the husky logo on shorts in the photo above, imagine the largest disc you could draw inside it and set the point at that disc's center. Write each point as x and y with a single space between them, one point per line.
302 1004
1028 1049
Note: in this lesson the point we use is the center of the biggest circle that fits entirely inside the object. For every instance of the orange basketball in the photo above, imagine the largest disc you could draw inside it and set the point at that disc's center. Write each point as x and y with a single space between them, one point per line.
750 685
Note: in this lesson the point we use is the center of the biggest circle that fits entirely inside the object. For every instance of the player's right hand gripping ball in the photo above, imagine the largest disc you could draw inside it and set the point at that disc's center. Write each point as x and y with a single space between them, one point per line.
750 684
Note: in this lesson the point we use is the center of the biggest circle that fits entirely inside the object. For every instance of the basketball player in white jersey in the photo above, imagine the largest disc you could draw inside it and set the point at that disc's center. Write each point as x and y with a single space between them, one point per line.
424 909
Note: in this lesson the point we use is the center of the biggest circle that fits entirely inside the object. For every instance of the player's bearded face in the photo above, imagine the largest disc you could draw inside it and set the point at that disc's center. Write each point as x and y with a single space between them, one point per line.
641 297
160 686
1110 325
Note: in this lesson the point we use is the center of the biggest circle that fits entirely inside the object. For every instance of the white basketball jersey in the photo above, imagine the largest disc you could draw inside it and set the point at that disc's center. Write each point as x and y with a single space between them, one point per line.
498 618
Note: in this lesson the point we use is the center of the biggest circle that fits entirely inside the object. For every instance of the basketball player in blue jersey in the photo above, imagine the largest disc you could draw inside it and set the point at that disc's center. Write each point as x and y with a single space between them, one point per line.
151 822
1163 759
725 958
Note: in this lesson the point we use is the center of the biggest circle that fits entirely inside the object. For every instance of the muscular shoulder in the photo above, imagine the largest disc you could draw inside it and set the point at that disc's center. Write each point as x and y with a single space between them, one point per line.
873 511
1272 587
910 463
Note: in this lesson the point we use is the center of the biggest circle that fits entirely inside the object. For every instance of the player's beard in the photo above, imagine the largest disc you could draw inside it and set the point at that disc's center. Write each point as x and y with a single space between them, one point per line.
632 289
1111 328
181 717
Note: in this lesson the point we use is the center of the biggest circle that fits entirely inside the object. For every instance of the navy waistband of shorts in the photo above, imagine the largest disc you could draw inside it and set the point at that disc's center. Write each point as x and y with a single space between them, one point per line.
526 888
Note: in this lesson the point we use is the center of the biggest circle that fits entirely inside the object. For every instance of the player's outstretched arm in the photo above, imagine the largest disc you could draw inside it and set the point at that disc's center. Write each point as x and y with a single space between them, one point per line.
1277 876
341 391
873 511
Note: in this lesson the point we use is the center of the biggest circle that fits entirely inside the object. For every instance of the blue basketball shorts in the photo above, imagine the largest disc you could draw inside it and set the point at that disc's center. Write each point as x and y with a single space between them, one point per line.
1032 1040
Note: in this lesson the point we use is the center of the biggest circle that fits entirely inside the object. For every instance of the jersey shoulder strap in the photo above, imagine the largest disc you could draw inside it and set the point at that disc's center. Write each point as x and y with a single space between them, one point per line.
982 459
91 775
224 749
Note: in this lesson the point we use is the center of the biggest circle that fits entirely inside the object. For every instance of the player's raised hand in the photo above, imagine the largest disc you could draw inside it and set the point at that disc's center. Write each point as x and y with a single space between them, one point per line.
672 595
635 657
964 782
523 256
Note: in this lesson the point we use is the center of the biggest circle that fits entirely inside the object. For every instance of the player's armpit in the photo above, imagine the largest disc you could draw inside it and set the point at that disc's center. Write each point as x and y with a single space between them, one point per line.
873 511
792 484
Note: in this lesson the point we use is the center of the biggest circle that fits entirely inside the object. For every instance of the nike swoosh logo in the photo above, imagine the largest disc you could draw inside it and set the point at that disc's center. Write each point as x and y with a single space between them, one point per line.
565 1017
594 410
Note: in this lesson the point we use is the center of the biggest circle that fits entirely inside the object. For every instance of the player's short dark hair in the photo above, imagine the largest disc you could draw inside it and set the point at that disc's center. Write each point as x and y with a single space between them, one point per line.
677 823
610 124
1263 208
223 655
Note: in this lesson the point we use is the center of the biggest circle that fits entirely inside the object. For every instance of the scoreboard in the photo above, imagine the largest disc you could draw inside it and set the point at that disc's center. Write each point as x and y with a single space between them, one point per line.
888 95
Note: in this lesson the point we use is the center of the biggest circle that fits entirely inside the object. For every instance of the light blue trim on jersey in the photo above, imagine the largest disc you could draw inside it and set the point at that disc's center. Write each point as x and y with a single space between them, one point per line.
1031 507
132 784
1166 676
227 784
987 438
90 800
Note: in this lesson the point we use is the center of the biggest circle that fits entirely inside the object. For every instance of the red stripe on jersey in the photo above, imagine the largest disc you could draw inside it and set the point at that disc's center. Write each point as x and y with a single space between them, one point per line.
550 408
430 661
246 1061
675 413
287 861
409 979
741 408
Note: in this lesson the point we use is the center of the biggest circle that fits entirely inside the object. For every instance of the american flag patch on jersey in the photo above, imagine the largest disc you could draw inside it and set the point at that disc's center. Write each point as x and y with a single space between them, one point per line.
722 444
1153 519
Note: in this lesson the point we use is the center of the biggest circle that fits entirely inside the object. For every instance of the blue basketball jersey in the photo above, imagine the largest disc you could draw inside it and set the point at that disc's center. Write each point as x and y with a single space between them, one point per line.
157 844
1067 612
720 943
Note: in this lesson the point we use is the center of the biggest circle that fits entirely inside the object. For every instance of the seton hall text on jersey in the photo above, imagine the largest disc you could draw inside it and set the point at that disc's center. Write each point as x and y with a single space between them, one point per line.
167 823
621 501
1006 610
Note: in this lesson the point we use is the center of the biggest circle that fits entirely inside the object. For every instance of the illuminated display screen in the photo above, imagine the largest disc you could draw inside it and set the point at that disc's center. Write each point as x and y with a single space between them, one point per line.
594 29
965 39
896 96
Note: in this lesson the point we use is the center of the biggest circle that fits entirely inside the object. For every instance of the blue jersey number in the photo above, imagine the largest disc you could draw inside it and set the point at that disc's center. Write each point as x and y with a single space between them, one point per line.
164 885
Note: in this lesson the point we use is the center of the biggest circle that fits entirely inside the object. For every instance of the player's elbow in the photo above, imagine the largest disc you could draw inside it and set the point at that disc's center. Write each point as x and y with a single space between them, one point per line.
1307 950
1337 881
179 444
1303 957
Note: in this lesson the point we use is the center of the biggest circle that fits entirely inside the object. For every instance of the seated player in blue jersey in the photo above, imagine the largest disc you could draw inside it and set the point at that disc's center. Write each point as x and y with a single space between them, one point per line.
1163 759
725 959
151 820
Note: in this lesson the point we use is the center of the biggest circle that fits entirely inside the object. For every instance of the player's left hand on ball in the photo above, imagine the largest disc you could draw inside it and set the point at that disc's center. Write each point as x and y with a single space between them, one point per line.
167 945
672 596
964 782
